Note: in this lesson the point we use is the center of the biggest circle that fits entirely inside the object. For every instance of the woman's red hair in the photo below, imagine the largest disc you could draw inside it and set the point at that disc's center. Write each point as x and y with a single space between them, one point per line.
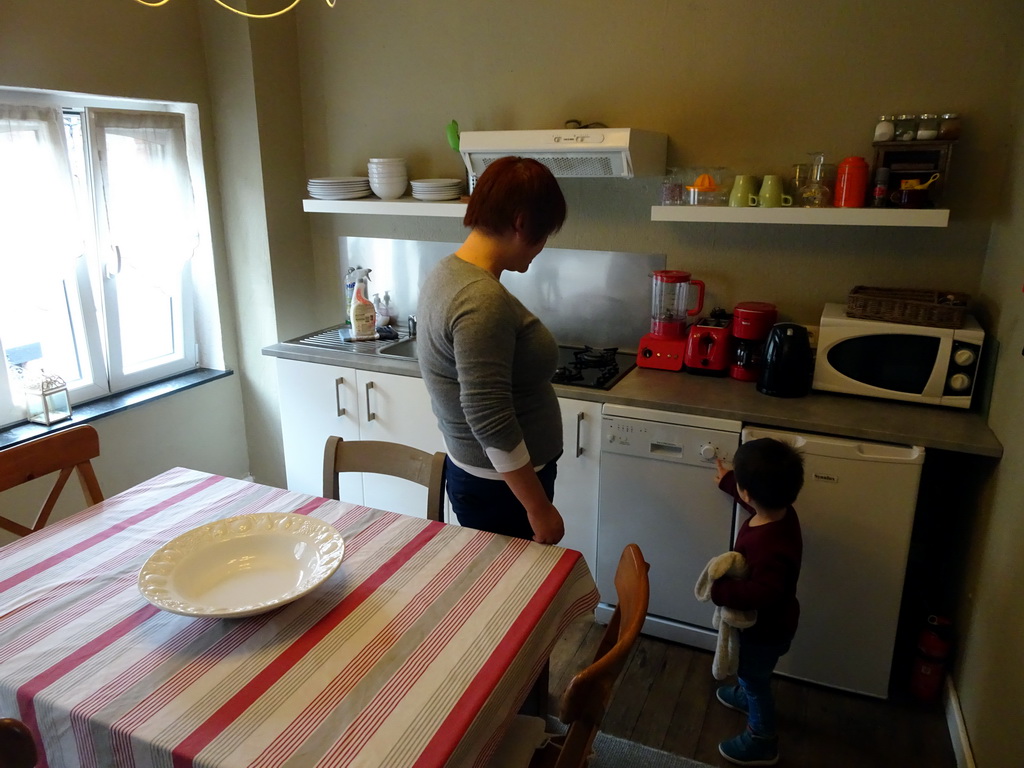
516 189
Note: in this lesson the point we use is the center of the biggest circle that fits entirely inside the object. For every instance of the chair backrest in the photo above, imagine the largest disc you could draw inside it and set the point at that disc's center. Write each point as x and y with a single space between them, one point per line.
17 748
586 699
383 458
66 451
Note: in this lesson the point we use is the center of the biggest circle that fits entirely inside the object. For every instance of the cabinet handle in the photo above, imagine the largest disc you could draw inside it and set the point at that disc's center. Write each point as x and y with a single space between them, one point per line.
579 446
337 394
370 415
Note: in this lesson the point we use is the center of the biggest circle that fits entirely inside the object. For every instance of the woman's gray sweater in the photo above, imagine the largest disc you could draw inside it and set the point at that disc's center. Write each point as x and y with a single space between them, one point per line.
487 362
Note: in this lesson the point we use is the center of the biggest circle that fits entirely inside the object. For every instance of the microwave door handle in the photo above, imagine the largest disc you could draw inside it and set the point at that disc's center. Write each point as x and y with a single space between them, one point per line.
940 372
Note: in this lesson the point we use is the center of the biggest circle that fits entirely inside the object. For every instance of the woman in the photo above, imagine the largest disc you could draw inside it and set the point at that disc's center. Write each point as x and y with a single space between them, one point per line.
487 360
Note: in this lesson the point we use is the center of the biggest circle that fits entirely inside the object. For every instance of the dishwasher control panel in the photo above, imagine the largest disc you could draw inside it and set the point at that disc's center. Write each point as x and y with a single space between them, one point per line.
667 442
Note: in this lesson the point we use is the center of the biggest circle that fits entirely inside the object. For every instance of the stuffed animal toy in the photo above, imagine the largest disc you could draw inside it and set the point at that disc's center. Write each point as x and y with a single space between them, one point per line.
728 621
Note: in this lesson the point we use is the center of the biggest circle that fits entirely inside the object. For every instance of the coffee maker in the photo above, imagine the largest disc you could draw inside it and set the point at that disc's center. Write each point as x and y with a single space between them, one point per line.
752 321
665 346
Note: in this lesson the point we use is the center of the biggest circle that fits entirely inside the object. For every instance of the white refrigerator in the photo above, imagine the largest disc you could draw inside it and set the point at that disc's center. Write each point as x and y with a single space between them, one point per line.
856 513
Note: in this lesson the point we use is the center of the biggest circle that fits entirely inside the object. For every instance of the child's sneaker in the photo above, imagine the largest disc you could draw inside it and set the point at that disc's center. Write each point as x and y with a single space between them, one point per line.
748 749
732 696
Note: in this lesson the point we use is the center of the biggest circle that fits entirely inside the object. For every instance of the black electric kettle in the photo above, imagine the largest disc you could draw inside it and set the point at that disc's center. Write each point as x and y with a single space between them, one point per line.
787 364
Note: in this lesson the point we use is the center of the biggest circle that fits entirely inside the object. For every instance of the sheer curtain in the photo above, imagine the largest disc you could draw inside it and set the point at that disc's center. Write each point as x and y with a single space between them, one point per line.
148 236
40 241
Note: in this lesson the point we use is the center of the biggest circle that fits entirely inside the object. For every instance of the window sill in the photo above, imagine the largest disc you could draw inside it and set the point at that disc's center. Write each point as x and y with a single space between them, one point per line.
24 431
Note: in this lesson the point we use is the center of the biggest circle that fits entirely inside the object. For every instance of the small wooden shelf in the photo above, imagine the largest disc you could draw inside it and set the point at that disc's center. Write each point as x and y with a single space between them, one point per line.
853 217
403 206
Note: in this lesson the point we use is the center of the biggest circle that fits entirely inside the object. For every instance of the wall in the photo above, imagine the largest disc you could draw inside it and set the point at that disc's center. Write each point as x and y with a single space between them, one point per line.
750 86
118 48
989 674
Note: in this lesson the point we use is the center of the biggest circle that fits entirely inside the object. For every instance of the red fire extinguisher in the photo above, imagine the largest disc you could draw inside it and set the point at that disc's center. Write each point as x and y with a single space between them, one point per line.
929 669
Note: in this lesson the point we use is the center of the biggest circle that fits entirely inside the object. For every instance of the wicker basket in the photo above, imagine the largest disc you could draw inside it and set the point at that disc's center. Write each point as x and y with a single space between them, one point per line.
940 309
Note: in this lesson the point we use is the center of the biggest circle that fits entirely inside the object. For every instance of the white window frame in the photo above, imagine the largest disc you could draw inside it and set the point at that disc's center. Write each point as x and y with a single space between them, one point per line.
104 358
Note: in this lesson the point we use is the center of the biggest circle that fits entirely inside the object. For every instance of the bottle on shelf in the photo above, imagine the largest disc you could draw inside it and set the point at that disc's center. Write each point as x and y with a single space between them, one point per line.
927 127
906 127
816 193
949 126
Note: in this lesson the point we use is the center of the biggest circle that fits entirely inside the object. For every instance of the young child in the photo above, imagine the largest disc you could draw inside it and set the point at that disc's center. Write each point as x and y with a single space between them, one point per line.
766 478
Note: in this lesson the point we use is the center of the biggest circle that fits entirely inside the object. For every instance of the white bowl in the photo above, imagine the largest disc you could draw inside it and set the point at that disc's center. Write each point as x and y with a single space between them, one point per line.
397 172
388 189
242 566
387 161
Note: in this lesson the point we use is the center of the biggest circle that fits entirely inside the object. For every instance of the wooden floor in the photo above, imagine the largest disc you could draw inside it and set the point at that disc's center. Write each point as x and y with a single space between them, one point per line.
666 699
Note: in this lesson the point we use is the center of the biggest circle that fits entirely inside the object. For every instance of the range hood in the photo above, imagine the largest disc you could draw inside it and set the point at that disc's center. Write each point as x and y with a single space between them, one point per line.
571 153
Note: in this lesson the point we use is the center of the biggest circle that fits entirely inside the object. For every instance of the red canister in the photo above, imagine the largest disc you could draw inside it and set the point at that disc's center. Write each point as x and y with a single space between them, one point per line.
851 183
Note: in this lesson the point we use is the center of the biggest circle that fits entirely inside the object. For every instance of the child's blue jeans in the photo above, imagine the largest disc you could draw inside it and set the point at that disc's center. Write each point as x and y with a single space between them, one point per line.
757 663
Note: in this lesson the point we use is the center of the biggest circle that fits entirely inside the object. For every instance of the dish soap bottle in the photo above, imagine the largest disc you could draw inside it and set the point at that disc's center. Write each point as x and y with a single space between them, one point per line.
390 309
815 193
361 313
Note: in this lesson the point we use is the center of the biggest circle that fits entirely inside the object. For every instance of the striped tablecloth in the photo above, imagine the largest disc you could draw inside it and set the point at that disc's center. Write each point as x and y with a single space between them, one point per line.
416 652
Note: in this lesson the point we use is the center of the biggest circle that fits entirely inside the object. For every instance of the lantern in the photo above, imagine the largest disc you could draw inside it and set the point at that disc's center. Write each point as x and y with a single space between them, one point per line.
46 397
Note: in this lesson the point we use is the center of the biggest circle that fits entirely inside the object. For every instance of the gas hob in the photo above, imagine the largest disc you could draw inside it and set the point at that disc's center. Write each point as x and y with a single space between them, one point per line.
592 368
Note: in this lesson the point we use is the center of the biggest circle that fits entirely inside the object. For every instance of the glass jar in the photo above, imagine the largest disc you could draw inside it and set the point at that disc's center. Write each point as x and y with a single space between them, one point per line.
927 127
949 126
885 130
906 127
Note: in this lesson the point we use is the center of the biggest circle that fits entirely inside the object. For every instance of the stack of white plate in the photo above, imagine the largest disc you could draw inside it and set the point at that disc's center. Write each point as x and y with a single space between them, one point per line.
339 188
388 177
436 189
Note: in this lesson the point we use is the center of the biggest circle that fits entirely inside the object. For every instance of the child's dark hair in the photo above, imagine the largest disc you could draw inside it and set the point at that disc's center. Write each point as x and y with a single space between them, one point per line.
771 471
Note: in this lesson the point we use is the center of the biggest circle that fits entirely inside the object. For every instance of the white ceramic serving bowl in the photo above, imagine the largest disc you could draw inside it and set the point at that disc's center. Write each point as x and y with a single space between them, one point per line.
387 161
242 566
389 189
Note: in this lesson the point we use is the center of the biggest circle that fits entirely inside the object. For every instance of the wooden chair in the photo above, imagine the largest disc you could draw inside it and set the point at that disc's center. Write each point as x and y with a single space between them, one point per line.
17 747
66 451
382 458
586 698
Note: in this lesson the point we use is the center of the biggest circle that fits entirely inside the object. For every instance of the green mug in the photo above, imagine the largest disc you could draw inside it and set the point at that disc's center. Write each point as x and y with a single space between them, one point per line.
771 195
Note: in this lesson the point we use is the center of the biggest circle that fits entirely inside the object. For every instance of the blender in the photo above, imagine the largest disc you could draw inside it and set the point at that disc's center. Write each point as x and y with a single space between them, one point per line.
752 321
665 346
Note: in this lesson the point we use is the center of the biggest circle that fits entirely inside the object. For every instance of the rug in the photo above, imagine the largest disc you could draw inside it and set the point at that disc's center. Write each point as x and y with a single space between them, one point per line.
613 752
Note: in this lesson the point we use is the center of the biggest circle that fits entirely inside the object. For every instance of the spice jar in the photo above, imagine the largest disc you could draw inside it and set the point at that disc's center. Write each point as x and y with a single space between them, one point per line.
949 126
885 130
906 127
927 127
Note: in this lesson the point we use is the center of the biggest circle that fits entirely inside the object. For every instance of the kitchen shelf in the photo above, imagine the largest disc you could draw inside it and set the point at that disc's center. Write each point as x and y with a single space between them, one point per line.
853 217
403 206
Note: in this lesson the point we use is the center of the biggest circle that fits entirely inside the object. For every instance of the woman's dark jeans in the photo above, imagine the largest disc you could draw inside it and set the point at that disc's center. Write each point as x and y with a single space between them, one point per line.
490 505
757 663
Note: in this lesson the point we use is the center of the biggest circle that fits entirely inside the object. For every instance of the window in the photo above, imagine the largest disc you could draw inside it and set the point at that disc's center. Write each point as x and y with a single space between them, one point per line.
98 229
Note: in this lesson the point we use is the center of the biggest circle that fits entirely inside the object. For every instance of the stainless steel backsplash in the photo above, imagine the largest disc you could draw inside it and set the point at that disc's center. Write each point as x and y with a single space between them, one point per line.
600 298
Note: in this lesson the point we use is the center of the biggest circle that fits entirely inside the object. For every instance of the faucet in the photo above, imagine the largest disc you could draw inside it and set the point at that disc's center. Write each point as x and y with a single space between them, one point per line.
412 326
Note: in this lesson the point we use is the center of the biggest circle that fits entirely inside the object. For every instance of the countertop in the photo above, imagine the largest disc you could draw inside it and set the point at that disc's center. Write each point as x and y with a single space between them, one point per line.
888 421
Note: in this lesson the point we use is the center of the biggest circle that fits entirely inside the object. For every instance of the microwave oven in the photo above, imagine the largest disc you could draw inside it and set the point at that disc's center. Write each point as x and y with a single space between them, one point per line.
916 363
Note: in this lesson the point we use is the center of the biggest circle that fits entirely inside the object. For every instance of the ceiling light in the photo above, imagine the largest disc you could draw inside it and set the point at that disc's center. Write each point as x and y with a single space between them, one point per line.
292 4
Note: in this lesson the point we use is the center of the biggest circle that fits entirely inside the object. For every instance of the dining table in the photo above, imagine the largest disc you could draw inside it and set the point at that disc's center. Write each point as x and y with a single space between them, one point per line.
417 651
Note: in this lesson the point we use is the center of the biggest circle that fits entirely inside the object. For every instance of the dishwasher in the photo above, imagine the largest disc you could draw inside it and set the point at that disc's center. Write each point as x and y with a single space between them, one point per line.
856 514
657 489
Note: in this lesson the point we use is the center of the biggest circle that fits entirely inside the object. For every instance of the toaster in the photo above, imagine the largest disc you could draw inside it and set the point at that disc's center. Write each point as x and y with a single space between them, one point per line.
708 345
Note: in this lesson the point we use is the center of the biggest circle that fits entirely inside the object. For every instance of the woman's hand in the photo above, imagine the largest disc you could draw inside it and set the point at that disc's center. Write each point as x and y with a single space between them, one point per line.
548 526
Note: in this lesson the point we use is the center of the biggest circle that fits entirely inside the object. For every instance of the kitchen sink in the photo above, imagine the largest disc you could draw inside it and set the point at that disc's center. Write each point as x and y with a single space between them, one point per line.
405 348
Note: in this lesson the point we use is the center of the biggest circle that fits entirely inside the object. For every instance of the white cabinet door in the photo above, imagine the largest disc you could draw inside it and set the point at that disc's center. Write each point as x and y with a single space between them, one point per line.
396 409
577 483
316 401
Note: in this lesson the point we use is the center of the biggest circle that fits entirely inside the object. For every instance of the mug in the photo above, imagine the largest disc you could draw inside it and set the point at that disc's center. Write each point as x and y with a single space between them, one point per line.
742 188
910 198
771 195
